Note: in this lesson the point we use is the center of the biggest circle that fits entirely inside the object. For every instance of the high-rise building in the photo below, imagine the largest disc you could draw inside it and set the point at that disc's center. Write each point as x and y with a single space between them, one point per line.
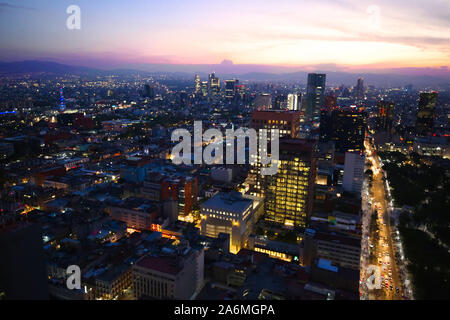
359 89
149 91
348 129
240 91
354 172
289 193
288 124
213 84
183 98
293 101
182 189
204 88
326 129
385 115
315 95
62 101
230 88
425 113
198 84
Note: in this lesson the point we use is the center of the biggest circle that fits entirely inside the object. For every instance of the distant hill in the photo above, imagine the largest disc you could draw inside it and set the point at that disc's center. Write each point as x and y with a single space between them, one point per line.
34 66
390 78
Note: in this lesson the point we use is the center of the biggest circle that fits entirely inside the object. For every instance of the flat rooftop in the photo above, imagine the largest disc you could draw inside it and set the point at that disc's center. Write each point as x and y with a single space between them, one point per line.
164 264
228 201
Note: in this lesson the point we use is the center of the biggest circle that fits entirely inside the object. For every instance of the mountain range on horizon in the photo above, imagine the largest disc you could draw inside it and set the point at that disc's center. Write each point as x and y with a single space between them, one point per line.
427 77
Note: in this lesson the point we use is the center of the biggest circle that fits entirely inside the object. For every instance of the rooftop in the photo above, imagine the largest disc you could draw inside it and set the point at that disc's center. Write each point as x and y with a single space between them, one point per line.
331 237
164 264
228 201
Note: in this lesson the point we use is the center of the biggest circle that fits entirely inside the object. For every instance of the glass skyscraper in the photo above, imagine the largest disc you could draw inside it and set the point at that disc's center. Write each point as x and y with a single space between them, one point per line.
425 114
315 95
289 193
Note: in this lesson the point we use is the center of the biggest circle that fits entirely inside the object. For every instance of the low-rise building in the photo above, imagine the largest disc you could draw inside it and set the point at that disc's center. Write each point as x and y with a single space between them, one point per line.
230 213
112 283
167 276
135 212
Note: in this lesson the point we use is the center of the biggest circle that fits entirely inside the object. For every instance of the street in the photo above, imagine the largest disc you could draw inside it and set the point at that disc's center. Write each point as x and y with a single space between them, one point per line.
378 240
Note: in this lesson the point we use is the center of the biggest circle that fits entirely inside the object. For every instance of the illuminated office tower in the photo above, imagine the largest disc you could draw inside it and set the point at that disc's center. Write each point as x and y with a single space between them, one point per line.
359 89
315 95
288 124
198 84
353 172
289 193
214 84
230 89
204 88
425 113
385 115
293 102
240 91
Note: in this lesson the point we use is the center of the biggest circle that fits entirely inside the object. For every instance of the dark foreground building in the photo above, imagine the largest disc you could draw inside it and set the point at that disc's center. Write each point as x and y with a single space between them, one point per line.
23 273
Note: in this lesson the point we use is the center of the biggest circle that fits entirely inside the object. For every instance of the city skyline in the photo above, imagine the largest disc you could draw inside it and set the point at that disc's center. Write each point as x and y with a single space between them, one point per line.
327 35
232 154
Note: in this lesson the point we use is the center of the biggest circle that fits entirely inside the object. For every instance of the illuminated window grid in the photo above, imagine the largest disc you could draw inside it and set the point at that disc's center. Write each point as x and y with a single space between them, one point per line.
287 193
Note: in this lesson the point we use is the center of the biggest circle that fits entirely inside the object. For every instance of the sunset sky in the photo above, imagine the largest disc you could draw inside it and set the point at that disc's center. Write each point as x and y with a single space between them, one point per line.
351 33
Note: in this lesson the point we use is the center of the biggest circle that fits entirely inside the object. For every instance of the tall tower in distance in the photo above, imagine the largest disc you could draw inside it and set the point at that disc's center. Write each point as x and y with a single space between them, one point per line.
385 115
359 90
149 91
198 84
293 101
425 114
62 103
214 84
315 95
230 88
